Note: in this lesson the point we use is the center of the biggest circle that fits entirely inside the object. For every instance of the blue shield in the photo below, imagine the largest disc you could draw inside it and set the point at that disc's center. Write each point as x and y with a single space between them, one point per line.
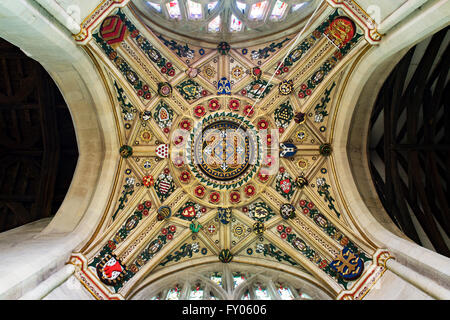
224 215
224 86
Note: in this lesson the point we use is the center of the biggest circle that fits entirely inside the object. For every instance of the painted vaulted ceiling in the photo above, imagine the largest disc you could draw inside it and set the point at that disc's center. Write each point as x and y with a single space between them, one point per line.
269 196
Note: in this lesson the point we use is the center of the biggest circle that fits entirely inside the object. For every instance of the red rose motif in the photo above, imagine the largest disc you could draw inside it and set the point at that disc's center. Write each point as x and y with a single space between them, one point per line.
244 92
140 207
166 130
172 228
302 202
310 205
308 92
203 210
288 230
301 95
178 140
147 96
234 104
171 72
214 105
285 69
280 227
303 86
282 169
235 197
268 160
166 171
278 72
140 92
185 176
163 70
111 245
204 93
262 124
148 204
269 140
145 212
178 161
164 231
199 191
145 87
214 197
185 125
199 111
306 211
256 71
168 65
249 190
148 181
281 130
249 110
283 235
170 236
263 176
244 209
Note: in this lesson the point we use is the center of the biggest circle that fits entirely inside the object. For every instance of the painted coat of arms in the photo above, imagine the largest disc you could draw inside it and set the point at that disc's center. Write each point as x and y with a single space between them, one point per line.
224 215
110 270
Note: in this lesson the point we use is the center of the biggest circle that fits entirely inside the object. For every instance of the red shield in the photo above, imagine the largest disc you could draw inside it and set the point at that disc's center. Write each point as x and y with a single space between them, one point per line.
285 185
189 212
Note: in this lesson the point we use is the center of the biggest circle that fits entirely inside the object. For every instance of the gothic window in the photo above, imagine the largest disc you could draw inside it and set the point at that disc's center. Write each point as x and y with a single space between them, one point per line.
219 282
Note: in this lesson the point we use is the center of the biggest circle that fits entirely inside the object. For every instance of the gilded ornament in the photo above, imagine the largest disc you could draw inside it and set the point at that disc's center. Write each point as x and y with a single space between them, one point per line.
125 151
225 256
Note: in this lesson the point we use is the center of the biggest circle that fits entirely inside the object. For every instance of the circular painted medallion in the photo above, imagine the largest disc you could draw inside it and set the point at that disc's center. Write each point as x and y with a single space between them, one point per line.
224 150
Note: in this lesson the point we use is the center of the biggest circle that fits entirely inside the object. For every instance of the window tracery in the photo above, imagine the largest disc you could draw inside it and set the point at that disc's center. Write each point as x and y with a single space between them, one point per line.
225 282
222 17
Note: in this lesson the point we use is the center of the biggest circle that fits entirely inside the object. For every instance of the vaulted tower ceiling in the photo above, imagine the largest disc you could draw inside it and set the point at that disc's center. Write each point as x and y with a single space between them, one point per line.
226 154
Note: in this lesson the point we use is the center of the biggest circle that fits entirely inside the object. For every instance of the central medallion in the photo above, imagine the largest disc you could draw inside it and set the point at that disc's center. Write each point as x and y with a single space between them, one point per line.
223 150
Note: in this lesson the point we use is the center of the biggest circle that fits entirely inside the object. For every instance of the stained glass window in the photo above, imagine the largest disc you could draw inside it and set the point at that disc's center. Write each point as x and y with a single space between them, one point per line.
195 10
237 18
211 5
278 10
173 8
246 295
305 296
241 6
214 25
174 293
155 6
257 10
196 292
216 277
261 292
238 278
235 24
295 7
284 292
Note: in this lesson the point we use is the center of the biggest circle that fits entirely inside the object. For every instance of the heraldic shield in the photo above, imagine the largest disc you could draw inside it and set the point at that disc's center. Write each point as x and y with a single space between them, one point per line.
110 270
224 215
348 265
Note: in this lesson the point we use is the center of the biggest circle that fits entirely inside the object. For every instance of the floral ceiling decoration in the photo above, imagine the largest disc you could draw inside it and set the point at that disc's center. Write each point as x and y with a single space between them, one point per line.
220 162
